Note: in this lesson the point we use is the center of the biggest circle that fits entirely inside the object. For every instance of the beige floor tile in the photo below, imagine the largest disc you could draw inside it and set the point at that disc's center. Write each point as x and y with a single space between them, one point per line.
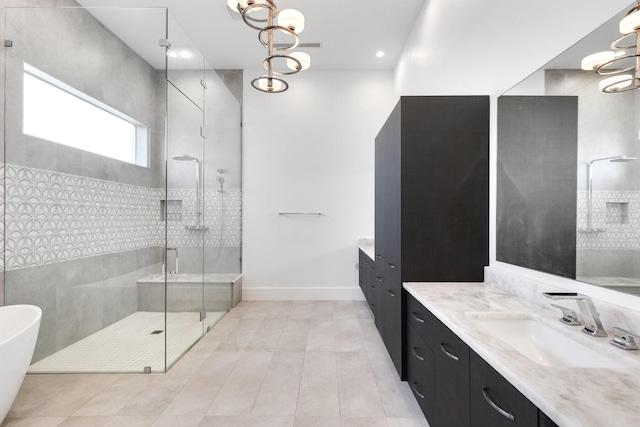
407 422
321 339
221 383
319 394
196 396
224 421
158 392
358 392
178 421
279 392
86 421
239 392
396 396
363 422
36 391
348 336
113 398
269 421
32 422
75 396
131 421
294 335
317 422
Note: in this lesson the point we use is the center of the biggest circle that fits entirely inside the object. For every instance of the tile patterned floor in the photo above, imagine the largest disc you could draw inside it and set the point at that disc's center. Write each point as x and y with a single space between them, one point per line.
129 345
280 364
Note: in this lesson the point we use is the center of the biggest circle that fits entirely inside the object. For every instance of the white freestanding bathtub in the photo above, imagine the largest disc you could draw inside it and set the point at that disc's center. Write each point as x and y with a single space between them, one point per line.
19 325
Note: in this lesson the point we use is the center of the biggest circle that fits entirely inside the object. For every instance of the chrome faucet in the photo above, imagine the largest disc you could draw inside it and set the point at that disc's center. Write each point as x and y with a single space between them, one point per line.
593 326
624 339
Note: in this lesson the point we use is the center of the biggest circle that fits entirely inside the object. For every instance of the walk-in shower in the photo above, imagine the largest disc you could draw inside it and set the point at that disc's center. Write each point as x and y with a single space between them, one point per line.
590 167
88 237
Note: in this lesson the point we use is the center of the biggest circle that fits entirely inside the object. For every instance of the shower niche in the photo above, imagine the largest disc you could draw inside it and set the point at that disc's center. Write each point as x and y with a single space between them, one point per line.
87 236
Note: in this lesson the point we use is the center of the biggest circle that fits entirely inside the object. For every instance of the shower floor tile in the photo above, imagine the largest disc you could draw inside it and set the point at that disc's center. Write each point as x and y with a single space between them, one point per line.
131 344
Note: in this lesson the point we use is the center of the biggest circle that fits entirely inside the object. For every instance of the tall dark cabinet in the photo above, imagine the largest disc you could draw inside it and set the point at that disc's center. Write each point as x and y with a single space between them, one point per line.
431 202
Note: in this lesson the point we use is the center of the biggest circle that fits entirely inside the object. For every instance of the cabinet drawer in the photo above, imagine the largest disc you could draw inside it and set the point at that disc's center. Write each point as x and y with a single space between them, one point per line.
422 321
421 373
495 402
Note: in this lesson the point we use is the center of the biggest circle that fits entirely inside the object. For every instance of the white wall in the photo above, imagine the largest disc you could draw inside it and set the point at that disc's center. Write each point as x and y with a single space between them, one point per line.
310 149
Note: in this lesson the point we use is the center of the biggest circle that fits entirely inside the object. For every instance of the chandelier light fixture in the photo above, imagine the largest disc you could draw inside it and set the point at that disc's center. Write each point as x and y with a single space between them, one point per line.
287 21
622 63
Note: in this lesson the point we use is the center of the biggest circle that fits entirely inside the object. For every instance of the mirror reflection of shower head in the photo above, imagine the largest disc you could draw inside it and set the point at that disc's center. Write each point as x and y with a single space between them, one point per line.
615 159
184 158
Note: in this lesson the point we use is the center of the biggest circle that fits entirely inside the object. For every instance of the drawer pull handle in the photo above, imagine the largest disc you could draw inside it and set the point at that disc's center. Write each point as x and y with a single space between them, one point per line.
446 351
415 390
490 401
416 354
379 279
391 293
391 265
417 318
379 256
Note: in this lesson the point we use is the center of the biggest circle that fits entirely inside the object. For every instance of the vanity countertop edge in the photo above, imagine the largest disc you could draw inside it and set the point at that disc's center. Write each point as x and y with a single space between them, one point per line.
570 396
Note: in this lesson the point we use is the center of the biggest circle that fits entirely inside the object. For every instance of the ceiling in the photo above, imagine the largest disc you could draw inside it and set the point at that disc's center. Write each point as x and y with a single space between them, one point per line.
349 33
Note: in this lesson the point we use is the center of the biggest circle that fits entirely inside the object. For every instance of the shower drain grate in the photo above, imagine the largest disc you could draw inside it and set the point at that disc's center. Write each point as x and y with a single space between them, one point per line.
156 332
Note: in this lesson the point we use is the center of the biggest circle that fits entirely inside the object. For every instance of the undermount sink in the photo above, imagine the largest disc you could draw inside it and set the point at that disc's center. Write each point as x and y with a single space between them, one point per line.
545 345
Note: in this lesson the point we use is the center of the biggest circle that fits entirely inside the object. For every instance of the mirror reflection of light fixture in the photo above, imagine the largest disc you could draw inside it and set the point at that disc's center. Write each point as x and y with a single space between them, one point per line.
290 22
622 59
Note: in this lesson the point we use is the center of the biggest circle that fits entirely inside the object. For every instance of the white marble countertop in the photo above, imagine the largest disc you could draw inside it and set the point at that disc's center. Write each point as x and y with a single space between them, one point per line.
367 244
579 397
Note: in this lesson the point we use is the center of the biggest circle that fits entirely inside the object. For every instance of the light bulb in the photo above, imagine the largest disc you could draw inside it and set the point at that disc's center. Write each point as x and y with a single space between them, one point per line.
630 23
276 85
597 59
304 58
291 19
233 5
615 83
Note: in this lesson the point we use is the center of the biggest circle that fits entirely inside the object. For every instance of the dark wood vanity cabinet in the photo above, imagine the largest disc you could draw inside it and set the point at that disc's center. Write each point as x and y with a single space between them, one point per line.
443 377
495 402
367 279
431 202
456 387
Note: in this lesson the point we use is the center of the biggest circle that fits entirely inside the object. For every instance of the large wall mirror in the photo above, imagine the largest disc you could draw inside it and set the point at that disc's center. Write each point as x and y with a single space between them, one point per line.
569 167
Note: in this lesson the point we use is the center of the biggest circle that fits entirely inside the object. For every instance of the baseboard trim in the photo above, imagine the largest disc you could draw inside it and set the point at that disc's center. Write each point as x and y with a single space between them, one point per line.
302 294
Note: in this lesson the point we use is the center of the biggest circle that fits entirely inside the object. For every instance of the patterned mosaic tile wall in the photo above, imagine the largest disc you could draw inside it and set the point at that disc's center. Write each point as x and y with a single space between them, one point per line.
52 217
618 212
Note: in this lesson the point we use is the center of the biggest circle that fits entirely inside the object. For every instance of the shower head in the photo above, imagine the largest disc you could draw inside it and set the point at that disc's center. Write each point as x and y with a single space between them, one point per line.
621 159
616 159
184 158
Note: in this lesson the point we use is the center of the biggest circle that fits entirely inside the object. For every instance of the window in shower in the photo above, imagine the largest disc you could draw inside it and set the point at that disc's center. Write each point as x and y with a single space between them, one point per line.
60 113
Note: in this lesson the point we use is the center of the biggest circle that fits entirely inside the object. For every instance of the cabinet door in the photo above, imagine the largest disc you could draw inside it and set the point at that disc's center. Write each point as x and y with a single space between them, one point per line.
421 370
544 420
362 271
495 402
452 378
392 316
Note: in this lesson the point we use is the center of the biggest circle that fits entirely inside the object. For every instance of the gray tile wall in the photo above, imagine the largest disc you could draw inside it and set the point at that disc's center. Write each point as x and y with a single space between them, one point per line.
80 297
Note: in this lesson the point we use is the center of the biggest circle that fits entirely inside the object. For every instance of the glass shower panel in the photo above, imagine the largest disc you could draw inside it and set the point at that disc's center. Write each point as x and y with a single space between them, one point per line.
84 233
223 200
186 224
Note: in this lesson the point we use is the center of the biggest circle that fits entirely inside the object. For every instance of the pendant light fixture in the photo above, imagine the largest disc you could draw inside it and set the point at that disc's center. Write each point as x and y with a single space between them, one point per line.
622 63
288 21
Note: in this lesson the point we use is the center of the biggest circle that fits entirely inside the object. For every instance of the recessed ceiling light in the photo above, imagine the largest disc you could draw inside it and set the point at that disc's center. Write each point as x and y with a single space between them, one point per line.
185 54
380 54
172 54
